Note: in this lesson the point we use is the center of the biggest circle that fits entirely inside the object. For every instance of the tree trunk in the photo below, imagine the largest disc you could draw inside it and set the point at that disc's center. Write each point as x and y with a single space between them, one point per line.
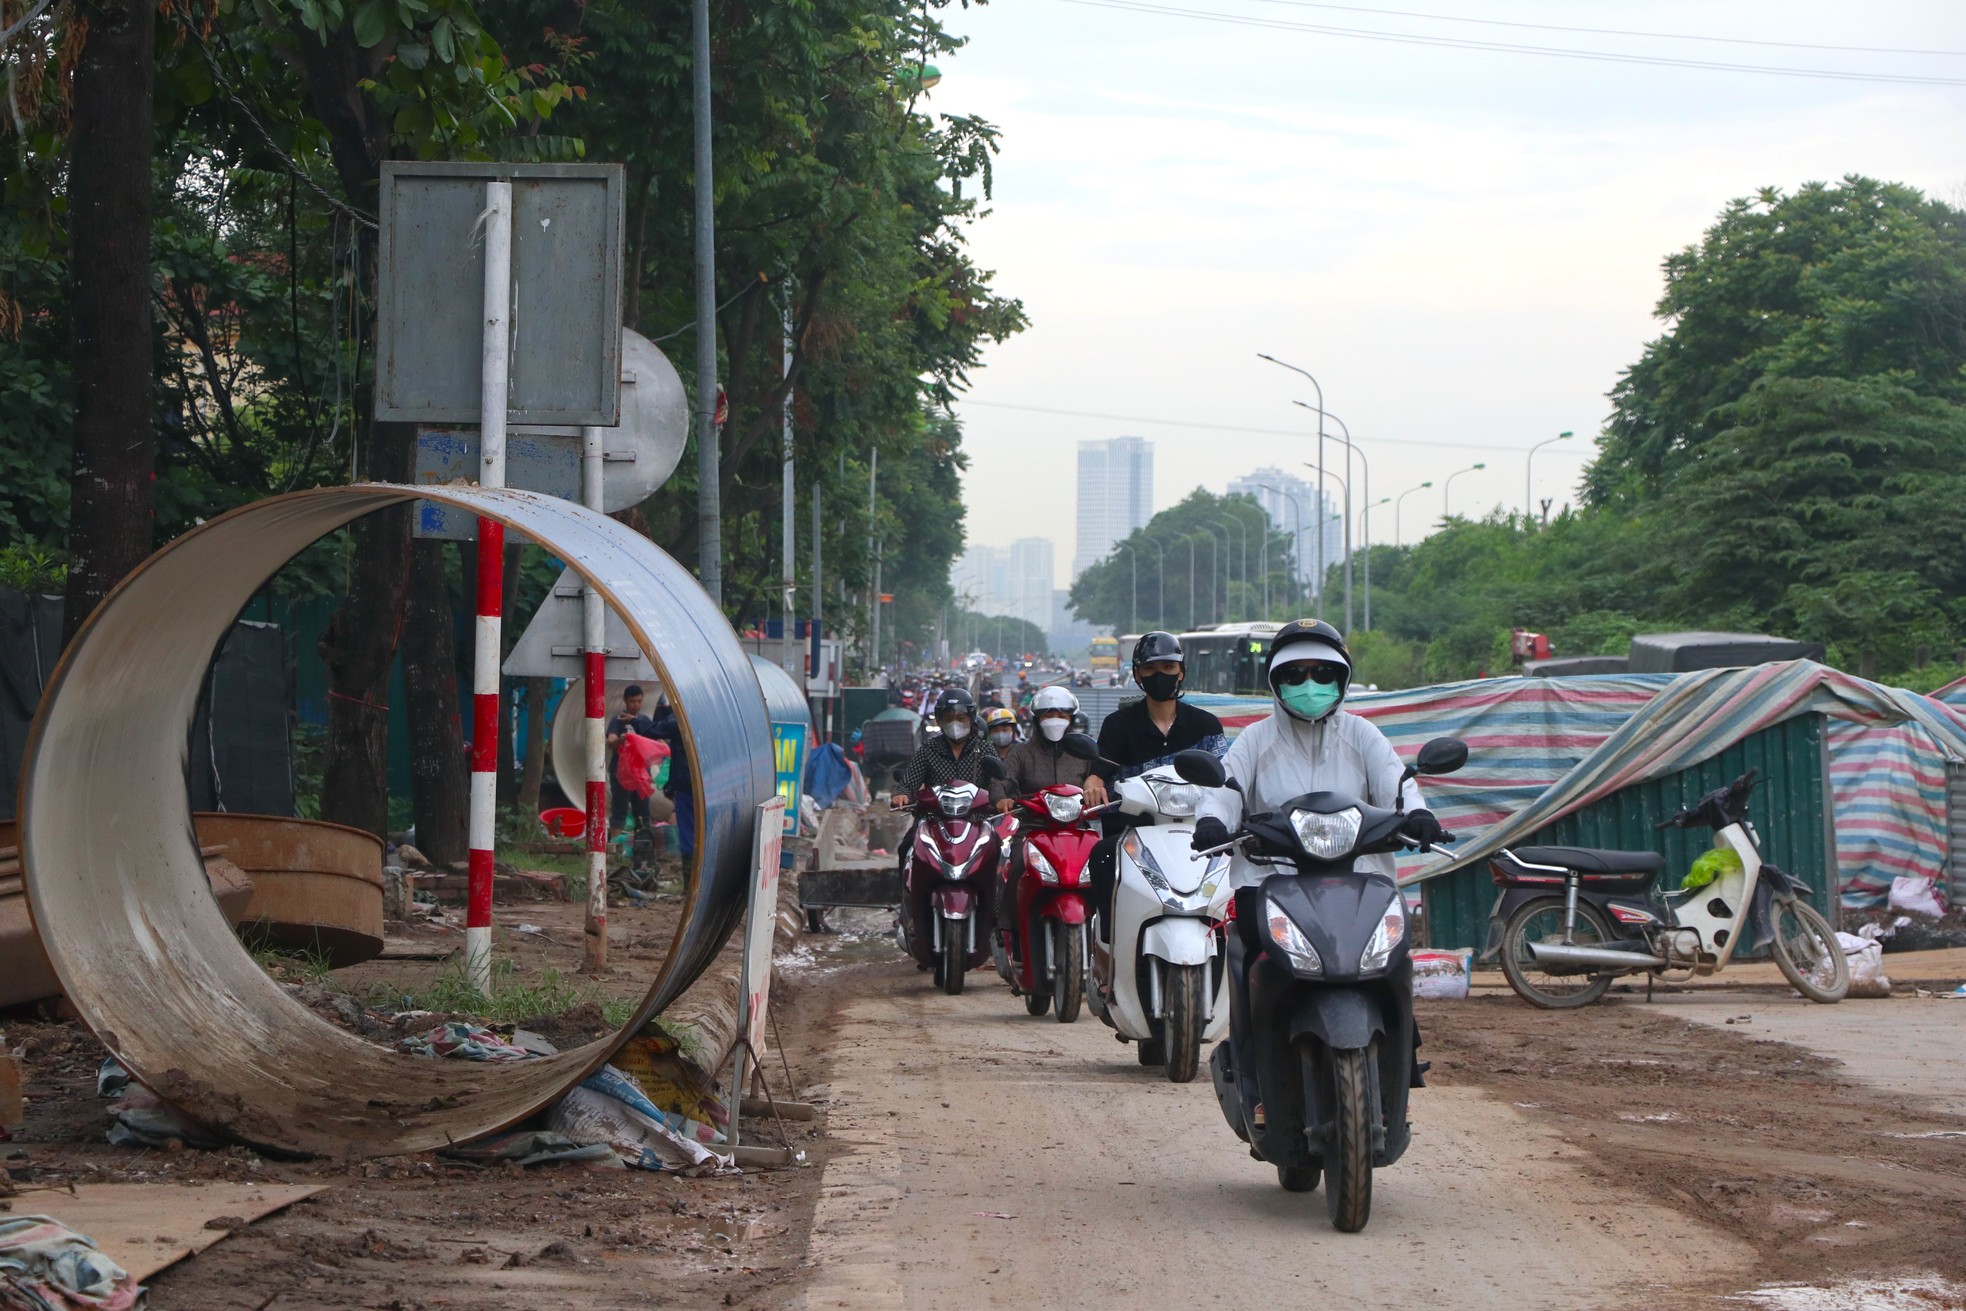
439 773
111 516
538 733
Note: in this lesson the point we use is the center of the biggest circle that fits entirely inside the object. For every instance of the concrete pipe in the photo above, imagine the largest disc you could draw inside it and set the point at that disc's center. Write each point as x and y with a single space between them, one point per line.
119 895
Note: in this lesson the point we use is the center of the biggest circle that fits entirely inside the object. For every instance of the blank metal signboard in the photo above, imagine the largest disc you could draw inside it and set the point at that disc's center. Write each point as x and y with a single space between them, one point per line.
566 292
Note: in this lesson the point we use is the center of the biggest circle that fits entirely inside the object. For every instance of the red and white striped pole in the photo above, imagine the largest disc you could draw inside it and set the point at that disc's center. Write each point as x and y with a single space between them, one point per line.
593 616
491 587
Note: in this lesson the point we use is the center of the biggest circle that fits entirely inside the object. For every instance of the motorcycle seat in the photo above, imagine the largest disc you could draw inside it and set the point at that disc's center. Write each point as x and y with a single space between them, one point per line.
1593 860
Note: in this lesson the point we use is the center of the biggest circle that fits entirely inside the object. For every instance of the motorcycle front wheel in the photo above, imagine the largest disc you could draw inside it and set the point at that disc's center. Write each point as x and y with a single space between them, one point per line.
1298 1178
1348 1155
949 970
1539 921
1184 1021
1807 952
1036 1003
1068 969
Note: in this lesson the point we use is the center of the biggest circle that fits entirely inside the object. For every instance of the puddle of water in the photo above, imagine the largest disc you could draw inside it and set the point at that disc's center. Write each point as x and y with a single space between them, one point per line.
1906 1293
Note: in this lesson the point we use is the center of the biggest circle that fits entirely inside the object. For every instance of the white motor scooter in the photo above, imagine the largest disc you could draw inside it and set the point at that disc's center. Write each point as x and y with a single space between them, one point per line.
1160 974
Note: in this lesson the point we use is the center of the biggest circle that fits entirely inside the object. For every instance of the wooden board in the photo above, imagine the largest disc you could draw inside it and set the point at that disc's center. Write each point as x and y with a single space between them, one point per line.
146 1227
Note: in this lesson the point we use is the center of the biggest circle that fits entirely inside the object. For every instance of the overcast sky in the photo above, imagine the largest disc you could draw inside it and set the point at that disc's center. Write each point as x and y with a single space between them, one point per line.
1463 246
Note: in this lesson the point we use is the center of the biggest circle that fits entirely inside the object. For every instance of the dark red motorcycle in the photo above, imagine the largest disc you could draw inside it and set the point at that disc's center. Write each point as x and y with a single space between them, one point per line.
948 877
1041 950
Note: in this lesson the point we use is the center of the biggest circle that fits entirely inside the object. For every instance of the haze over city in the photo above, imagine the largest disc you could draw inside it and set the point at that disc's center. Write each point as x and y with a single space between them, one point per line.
1463 245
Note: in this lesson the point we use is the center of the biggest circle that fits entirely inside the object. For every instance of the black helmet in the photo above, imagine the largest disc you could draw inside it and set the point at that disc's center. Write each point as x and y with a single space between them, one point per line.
1157 646
953 701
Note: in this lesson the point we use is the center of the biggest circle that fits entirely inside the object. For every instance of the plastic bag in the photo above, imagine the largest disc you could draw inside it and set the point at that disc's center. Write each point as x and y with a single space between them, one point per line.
1917 894
634 764
1442 975
1867 978
1711 865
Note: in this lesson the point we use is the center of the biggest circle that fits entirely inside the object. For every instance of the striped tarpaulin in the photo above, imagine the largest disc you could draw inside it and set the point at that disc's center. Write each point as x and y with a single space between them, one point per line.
1540 748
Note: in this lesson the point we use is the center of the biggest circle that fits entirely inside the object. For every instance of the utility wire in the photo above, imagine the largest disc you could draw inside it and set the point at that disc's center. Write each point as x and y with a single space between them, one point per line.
1613 31
1223 427
1504 47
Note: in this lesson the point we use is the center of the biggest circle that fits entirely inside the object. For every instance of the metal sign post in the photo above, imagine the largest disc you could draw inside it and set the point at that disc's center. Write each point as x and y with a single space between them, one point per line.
594 623
760 923
491 586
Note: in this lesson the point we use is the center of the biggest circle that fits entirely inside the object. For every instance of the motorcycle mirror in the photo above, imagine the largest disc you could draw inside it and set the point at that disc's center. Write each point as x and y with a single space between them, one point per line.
992 769
1443 755
1200 768
1079 746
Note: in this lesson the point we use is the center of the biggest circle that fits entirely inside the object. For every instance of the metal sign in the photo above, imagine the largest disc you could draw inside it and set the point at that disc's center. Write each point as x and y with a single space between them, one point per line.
566 292
551 646
760 924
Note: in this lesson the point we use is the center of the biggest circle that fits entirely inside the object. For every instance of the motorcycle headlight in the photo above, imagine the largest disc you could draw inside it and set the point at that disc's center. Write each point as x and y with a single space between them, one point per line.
1047 872
1390 933
956 802
1177 800
1326 837
1290 940
1137 852
1064 810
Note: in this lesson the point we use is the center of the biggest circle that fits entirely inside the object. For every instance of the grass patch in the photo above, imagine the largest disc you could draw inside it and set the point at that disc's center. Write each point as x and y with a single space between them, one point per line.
295 966
512 1000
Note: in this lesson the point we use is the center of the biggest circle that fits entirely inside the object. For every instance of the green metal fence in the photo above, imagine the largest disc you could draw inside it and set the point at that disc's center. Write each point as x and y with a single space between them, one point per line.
1791 812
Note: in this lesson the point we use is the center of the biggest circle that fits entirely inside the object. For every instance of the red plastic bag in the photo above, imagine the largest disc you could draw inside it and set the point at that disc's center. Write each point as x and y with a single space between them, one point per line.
634 767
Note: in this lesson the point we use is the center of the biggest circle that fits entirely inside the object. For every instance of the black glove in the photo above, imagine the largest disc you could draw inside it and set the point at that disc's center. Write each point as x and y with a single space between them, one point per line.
1209 832
1423 828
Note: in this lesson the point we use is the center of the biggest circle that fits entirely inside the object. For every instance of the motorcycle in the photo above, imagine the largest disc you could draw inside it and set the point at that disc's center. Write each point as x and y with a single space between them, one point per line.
1160 973
948 879
1319 1061
1041 950
1569 920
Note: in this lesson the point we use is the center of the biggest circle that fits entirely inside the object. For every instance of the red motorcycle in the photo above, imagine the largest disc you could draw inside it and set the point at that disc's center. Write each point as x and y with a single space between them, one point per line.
948 876
1041 951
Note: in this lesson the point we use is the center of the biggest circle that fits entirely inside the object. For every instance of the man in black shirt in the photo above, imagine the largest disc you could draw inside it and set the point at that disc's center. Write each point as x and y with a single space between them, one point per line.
629 719
1145 733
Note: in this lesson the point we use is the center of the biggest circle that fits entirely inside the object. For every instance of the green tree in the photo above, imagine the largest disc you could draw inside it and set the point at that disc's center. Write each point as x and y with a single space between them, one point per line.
1845 280
1177 580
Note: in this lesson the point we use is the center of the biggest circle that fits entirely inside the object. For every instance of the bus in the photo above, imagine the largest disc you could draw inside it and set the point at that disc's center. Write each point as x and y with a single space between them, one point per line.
1105 654
1229 658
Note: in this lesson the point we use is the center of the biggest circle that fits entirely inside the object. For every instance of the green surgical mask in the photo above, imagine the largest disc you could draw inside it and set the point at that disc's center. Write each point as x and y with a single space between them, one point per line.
1308 700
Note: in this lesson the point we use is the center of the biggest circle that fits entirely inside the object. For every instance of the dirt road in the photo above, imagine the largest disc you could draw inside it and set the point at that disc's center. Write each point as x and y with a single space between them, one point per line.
997 1160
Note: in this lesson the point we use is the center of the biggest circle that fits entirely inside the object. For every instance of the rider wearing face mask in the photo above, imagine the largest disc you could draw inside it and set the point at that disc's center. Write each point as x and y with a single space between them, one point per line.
1042 761
1309 744
1001 727
951 755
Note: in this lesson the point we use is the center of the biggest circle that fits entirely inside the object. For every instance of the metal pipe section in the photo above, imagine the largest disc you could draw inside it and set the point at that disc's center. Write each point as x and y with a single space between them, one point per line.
118 891
485 686
594 644
1563 955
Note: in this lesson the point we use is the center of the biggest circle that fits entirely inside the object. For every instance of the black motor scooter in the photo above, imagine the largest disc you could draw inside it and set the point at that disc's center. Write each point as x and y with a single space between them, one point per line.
1315 1074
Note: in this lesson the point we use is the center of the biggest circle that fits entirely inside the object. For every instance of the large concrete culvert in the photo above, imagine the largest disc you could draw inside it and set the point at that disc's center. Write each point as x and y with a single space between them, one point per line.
119 894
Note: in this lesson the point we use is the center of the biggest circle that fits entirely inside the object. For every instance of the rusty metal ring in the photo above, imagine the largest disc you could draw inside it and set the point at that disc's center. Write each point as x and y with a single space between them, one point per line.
118 891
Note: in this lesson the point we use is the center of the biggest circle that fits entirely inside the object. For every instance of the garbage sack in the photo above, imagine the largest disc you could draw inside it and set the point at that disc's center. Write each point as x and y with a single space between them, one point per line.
1442 975
466 1042
46 1266
143 1119
676 1088
1710 865
1866 954
608 1108
634 764
1918 894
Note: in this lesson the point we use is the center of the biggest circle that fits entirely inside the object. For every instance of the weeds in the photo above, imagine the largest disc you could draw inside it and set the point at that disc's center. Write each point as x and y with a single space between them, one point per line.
295 966
512 1001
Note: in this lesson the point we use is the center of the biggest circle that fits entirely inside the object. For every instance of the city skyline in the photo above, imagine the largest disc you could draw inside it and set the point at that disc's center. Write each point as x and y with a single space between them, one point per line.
1115 495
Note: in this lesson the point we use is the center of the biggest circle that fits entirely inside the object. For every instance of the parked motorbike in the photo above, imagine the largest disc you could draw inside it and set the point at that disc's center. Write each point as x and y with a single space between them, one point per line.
1569 920
1041 951
1319 1061
948 879
1160 972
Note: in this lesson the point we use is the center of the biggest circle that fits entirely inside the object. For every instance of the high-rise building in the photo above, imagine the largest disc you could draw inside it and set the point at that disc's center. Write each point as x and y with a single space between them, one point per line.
1116 495
1277 493
1014 580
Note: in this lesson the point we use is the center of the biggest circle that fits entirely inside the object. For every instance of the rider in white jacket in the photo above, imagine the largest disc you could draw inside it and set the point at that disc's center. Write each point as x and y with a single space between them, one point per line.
1308 744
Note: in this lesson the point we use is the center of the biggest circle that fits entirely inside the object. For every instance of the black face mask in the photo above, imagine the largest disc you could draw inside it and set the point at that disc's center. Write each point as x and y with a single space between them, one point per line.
1160 687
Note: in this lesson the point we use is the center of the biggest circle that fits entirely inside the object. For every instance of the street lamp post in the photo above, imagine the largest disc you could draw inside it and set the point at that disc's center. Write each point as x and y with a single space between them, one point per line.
1367 548
1399 504
1365 532
1447 488
1296 535
1228 564
1133 596
1191 576
1160 583
1528 488
1320 467
1242 535
1345 488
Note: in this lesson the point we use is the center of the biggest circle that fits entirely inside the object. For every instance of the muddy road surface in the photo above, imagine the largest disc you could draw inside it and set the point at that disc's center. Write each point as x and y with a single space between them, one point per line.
1616 1157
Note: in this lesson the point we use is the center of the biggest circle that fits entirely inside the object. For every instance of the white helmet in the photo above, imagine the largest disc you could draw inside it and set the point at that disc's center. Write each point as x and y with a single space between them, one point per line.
1054 697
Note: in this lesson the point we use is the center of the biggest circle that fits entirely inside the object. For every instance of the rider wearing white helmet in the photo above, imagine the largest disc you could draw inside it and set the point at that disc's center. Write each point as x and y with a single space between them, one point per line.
1042 761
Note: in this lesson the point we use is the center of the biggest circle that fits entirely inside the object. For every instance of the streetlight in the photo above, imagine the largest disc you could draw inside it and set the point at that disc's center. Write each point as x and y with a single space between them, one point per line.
1447 488
1399 504
1296 535
1160 583
1191 577
1365 494
1345 486
1383 500
1132 597
1242 537
1320 468
1528 494
1228 563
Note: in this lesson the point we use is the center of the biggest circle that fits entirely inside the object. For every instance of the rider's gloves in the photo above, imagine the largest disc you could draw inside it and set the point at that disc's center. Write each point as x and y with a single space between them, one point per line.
1210 832
1422 827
